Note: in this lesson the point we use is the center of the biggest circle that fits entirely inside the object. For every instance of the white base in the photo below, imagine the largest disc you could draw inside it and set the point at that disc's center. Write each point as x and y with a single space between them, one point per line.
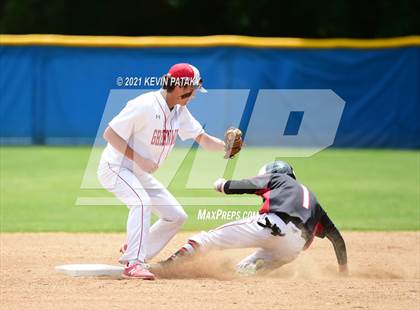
90 270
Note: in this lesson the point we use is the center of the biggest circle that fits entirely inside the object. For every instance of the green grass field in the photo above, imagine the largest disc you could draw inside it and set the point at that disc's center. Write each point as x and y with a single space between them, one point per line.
360 189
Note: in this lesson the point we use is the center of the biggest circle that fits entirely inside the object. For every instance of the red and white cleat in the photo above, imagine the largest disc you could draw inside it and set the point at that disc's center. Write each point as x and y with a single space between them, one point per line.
137 271
123 248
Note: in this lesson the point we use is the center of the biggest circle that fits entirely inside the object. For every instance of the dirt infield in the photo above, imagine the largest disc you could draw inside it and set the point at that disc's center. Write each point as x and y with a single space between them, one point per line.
384 267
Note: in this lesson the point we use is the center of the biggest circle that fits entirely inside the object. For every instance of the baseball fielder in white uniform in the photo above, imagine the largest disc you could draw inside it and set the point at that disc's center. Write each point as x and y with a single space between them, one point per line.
140 138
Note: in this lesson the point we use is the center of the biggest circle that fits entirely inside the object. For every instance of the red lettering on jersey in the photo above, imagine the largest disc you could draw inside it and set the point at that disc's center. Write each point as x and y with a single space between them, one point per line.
164 137
153 137
159 139
171 137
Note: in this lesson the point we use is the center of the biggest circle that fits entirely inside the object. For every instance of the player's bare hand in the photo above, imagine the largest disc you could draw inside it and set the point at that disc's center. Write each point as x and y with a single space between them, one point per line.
343 270
146 165
219 184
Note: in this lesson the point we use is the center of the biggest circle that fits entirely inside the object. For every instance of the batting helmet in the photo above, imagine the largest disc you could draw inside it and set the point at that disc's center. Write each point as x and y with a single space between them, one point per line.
278 166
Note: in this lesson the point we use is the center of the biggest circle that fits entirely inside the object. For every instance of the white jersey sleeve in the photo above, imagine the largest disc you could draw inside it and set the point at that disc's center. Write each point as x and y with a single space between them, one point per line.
189 127
130 120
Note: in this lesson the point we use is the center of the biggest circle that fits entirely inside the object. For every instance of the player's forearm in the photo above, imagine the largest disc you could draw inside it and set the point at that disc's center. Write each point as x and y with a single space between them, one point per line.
232 187
339 246
121 146
118 143
210 143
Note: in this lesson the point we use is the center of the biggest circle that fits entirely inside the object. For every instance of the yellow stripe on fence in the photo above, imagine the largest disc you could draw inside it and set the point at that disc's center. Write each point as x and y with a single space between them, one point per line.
205 41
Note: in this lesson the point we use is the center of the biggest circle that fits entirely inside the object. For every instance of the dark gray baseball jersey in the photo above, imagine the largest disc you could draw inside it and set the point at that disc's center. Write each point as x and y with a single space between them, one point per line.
293 202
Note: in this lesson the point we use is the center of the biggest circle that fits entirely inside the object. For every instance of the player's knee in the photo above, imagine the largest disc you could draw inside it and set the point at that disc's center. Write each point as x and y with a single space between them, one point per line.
202 240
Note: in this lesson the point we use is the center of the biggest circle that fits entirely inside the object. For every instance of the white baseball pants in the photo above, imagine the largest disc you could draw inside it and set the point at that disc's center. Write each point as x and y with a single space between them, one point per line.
248 234
143 194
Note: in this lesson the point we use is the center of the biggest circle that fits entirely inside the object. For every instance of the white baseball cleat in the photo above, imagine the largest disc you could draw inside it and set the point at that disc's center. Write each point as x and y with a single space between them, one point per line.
250 269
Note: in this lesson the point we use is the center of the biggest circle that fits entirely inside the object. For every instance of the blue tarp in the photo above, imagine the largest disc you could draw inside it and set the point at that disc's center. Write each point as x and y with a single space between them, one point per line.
58 94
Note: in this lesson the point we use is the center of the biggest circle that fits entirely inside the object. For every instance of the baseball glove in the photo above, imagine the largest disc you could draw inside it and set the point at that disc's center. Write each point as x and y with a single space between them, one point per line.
233 142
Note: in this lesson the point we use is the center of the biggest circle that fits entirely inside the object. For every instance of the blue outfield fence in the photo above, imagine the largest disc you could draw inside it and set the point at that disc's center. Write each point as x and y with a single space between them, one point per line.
57 94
